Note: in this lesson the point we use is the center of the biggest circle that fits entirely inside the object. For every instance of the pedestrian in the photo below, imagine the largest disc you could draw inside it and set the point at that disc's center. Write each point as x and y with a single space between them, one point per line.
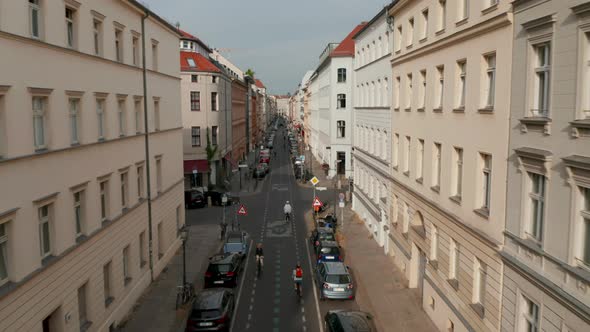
222 228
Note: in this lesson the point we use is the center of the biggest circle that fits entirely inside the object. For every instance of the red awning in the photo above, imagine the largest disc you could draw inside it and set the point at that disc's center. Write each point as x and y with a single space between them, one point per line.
199 165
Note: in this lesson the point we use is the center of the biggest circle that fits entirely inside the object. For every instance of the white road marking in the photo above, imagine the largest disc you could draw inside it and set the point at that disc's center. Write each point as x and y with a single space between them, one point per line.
233 318
303 319
315 291
251 307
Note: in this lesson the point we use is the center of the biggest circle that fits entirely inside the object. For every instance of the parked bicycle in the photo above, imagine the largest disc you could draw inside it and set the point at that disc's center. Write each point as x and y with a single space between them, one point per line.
184 294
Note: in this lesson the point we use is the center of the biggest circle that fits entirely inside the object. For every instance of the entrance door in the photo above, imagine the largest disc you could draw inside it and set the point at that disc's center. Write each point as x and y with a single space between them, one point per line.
421 268
341 162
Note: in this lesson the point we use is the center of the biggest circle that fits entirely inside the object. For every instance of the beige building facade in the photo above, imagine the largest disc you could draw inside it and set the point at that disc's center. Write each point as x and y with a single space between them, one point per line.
74 233
450 107
547 239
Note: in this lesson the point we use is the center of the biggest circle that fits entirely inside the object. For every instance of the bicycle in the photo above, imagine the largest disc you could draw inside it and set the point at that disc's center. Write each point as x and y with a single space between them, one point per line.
184 294
287 217
298 286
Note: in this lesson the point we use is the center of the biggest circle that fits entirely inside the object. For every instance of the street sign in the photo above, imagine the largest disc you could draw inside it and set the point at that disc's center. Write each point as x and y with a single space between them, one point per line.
242 210
341 204
314 180
243 165
321 188
317 202
195 171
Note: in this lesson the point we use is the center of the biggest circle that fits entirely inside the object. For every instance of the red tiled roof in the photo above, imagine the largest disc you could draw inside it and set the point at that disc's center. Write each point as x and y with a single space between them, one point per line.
202 64
259 84
187 35
346 47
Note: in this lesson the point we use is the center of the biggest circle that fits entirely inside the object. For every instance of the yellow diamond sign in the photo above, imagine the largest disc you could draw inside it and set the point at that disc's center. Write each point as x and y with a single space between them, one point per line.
314 181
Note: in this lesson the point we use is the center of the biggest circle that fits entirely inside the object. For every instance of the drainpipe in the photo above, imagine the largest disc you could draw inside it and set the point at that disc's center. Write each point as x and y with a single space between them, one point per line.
248 98
147 148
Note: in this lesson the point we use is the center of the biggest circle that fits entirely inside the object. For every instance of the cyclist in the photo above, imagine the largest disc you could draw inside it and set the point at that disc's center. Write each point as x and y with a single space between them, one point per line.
298 278
287 209
259 255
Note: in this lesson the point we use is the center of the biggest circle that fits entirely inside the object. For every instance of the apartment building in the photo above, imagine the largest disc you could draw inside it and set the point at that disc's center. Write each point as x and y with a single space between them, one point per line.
372 124
76 183
238 112
451 73
206 114
331 138
547 239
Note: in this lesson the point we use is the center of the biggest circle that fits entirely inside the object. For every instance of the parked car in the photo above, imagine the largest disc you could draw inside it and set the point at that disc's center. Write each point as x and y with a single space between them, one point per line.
264 159
328 251
330 218
236 242
212 310
334 281
259 172
223 270
265 166
349 321
194 198
217 195
321 234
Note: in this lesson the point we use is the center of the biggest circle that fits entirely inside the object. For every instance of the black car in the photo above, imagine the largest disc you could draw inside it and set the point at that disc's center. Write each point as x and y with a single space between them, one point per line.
330 218
259 172
194 198
223 270
217 194
328 251
349 321
212 310
321 234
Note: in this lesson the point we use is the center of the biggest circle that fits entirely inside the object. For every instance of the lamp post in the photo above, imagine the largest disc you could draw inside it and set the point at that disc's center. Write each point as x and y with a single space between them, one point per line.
184 237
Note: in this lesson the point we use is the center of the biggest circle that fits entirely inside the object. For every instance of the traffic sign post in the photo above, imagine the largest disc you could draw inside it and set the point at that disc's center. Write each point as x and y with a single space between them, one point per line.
341 205
314 181
317 204
242 210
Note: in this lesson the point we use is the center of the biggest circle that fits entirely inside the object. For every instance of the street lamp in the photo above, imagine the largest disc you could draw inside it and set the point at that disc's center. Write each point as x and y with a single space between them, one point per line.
184 237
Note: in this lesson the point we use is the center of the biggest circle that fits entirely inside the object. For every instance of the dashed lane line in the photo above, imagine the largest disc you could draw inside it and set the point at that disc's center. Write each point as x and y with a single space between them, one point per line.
233 319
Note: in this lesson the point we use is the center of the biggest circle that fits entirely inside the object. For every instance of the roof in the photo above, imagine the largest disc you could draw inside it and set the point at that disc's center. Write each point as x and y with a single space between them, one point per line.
335 267
186 35
259 84
201 63
346 47
158 18
385 11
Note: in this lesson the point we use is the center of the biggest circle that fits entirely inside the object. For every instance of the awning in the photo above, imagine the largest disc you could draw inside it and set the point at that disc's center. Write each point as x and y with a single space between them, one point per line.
198 165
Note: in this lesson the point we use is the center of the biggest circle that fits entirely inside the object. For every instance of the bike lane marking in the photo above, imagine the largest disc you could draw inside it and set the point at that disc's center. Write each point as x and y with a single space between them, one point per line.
233 319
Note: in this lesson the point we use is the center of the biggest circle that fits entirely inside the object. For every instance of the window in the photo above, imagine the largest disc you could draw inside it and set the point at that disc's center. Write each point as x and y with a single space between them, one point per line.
191 62
159 174
453 260
196 136
135 43
395 156
82 307
124 191
213 79
436 165
440 88
442 15
396 93
584 255
407 155
160 241
214 133
341 101
409 92
119 45
486 161
490 84
195 101
156 115
479 282
410 34
214 101
461 83
126 272
341 75
97 35
39 104
537 206
104 200
138 117
463 9
194 78
154 55
140 181
398 41
45 230
35 18
433 243
74 121
420 160
458 179
341 129
70 32
542 78
100 118
107 271
424 24
3 253
422 93
142 249
121 116
79 212
529 320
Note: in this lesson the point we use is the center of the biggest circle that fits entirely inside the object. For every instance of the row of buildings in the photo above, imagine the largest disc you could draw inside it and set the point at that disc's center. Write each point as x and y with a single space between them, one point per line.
465 126
99 109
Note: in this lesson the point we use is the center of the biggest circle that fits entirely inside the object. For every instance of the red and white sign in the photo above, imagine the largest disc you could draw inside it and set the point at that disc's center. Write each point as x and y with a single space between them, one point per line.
242 211
317 202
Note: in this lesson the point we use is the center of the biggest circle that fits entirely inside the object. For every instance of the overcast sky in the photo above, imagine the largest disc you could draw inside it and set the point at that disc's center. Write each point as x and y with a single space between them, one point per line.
279 39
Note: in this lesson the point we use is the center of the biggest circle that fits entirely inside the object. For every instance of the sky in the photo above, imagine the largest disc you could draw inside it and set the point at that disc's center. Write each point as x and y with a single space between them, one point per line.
279 39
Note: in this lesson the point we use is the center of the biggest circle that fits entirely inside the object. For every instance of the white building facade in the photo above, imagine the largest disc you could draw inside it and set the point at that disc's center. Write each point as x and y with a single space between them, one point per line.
77 247
372 125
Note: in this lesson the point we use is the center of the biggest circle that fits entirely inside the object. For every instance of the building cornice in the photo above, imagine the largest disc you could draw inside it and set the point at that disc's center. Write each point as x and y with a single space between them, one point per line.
581 9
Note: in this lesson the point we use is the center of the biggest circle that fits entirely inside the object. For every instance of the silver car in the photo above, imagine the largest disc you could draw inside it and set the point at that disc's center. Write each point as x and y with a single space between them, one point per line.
334 281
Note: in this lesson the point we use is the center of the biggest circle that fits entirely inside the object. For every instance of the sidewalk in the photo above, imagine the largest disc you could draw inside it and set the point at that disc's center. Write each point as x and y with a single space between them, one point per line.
155 310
